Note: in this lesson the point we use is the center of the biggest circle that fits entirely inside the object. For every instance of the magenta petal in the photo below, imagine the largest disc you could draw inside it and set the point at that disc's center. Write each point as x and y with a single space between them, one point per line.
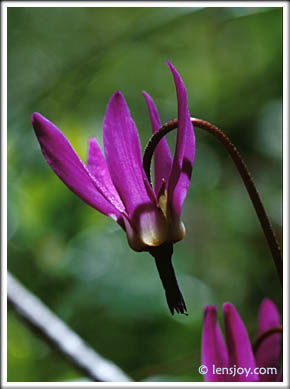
268 316
162 154
123 155
214 352
98 168
238 343
185 149
269 352
70 169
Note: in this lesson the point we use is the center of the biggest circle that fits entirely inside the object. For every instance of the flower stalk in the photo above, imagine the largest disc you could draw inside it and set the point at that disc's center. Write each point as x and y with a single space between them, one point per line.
242 169
265 335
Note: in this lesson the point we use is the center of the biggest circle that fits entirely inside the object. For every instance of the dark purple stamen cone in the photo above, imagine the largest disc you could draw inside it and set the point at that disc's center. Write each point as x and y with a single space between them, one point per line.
162 255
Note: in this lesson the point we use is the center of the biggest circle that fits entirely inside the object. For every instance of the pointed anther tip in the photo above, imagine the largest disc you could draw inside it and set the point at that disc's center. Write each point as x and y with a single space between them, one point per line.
184 311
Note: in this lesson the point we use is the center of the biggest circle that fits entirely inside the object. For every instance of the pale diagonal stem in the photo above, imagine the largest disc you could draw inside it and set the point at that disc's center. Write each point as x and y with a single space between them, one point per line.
244 173
58 335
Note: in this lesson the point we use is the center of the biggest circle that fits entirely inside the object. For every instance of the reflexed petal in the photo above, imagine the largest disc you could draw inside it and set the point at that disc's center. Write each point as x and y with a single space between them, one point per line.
162 154
185 149
214 350
61 157
123 155
98 168
269 351
238 344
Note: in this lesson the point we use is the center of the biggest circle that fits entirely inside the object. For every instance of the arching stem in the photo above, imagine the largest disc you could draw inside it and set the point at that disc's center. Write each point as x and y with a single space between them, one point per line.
244 173
265 335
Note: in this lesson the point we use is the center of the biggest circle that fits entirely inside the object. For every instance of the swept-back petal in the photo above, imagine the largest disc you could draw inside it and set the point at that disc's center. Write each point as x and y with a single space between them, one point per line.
162 154
269 351
98 168
61 157
185 149
123 154
238 343
214 352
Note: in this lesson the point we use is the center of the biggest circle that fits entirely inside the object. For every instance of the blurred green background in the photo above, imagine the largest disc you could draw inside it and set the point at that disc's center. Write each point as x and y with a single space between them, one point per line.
66 63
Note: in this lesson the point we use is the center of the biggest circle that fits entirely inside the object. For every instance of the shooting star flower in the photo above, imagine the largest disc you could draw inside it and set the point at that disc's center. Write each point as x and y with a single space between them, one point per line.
116 185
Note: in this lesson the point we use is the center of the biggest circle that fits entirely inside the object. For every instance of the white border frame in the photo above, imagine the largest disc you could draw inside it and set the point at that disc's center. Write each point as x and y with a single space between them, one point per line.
216 4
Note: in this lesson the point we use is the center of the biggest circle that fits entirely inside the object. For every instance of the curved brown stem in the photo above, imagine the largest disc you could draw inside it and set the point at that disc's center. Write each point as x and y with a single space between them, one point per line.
265 335
244 173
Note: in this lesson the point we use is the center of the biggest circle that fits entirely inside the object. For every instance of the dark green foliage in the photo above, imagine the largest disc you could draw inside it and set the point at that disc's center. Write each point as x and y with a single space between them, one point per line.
65 63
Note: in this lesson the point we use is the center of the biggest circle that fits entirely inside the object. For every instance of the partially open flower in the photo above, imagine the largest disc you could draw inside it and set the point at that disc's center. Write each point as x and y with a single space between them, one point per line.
116 184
